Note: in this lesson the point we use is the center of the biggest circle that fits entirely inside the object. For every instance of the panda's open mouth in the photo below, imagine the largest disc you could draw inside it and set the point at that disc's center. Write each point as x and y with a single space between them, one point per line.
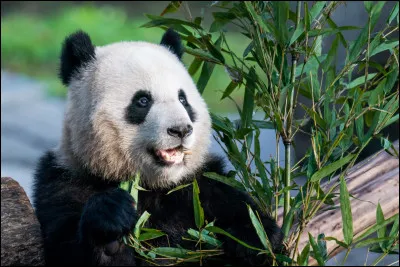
171 156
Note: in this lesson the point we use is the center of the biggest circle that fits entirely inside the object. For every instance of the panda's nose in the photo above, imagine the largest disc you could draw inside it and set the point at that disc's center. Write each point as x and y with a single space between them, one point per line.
181 131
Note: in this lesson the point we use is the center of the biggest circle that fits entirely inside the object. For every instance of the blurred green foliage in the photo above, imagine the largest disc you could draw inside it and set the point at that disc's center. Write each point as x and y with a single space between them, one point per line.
31 44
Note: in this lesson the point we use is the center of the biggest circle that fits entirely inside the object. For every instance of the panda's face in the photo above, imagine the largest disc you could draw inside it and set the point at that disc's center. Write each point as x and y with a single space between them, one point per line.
140 111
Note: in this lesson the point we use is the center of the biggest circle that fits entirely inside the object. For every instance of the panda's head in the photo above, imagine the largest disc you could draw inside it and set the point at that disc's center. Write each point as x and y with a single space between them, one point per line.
132 106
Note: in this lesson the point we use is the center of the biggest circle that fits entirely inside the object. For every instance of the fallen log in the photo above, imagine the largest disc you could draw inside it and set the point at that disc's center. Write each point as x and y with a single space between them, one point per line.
371 181
21 241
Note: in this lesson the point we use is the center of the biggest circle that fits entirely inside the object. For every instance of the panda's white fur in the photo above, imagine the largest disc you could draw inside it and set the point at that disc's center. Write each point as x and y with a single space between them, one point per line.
96 134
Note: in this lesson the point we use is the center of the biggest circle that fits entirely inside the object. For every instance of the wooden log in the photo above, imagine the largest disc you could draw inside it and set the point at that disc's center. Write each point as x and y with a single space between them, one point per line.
371 181
21 240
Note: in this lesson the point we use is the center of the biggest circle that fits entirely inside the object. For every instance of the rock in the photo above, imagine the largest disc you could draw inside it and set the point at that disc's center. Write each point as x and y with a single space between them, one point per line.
21 240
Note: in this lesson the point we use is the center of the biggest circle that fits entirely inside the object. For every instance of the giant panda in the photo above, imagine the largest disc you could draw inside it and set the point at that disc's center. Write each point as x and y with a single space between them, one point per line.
133 107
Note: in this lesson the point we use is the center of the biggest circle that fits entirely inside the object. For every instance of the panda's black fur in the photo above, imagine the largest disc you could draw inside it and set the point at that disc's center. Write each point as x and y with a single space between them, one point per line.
83 215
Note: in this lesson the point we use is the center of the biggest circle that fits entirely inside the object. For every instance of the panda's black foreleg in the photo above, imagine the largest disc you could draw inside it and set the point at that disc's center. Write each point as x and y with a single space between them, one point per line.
243 229
229 207
106 218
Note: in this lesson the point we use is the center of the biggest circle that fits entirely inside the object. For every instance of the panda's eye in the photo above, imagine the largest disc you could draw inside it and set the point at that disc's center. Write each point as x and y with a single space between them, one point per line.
143 102
182 99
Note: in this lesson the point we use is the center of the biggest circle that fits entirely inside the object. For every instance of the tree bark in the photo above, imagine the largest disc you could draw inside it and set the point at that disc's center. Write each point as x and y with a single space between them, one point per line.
21 240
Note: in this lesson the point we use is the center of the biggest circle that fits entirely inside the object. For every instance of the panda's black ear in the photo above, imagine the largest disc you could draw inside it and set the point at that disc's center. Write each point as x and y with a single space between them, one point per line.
77 50
173 42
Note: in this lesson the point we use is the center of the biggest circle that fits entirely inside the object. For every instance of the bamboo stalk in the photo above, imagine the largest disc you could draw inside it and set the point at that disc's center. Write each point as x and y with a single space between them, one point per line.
288 139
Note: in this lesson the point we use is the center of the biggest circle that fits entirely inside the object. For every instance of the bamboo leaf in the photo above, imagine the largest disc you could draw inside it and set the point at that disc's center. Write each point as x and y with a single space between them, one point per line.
198 210
134 189
172 7
307 18
327 170
360 80
139 224
228 91
161 21
248 49
384 46
393 232
375 12
376 227
222 124
287 222
357 46
172 252
322 246
311 65
318 45
339 34
302 260
395 118
317 252
125 185
263 124
316 9
262 24
368 6
248 102
395 227
201 54
370 241
330 60
226 180
178 188
315 116
347 217
260 230
394 13
194 67
150 235
377 93
386 144
261 168
205 76
281 15
299 30
220 20
204 237
214 51
392 78
379 220
217 230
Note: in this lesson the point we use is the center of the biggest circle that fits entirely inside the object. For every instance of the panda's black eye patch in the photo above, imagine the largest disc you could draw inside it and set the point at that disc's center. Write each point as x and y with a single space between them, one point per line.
182 98
140 105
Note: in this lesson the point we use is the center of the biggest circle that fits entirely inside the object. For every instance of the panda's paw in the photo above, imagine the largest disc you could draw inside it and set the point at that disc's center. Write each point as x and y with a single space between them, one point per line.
107 217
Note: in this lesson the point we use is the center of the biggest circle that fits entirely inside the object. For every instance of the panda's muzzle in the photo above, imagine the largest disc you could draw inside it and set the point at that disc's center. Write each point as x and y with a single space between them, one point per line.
175 155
